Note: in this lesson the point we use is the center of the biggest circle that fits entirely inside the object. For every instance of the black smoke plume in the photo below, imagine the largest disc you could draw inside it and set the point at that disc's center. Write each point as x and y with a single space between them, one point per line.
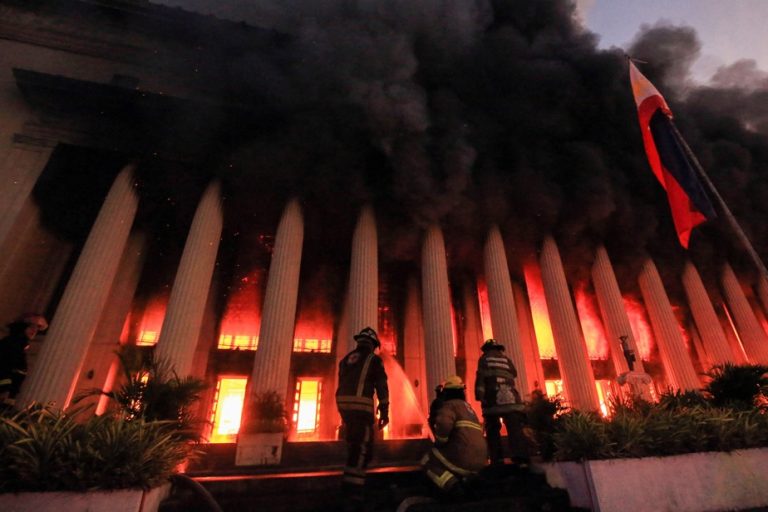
474 112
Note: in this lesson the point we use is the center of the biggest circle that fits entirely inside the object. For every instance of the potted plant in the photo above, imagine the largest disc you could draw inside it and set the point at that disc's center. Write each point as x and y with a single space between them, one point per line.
120 461
53 461
260 441
690 451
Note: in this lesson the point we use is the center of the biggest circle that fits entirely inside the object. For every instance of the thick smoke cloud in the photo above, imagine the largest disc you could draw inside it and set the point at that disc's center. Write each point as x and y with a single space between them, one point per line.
472 112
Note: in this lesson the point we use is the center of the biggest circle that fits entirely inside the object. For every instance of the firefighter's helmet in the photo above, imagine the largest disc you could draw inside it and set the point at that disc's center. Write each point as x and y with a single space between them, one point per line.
492 344
35 319
454 382
368 335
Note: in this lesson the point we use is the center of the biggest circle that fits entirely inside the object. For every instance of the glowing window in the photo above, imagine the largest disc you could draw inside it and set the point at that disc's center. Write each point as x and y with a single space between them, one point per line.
554 387
227 409
306 407
147 338
238 342
312 345
604 395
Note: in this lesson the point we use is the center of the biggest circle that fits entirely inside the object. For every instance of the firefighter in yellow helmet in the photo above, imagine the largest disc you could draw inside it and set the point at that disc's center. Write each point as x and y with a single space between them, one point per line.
459 450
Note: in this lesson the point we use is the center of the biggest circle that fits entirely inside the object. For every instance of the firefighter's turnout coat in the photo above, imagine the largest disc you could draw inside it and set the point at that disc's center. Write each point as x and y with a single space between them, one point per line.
495 384
459 450
361 372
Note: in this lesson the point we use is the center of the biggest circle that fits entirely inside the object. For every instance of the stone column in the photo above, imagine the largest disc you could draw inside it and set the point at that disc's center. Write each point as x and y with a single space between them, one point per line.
436 299
713 339
473 338
364 277
572 356
752 336
762 292
272 361
82 303
97 369
502 305
612 310
18 175
186 305
533 367
674 355
414 360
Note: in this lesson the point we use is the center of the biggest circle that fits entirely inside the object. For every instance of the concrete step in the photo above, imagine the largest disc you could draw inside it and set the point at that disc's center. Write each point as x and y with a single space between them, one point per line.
386 488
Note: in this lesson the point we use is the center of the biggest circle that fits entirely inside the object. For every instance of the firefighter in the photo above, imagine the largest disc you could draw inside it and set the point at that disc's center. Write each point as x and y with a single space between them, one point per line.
459 451
361 372
13 354
495 390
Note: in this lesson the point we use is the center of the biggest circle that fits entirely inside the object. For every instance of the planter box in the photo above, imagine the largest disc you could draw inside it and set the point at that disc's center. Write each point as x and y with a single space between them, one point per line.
259 449
123 500
695 482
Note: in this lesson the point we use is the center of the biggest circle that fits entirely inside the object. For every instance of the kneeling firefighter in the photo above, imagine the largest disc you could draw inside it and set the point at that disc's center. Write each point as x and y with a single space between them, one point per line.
459 450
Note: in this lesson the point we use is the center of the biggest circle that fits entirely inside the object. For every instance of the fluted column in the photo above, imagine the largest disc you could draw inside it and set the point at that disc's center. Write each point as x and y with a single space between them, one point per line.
674 355
614 315
713 339
572 356
82 303
436 299
18 175
762 292
414 360
364 276
186 305
533 367
752 336
272 360
473 338
97 369
502 305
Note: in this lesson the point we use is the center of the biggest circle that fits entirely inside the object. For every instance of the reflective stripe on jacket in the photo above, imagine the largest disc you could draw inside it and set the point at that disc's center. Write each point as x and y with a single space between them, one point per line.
361 372
495 384
460 449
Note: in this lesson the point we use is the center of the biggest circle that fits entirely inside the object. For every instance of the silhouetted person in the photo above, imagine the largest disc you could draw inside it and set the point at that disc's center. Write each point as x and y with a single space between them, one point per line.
435 406
13 354
361 373
496 391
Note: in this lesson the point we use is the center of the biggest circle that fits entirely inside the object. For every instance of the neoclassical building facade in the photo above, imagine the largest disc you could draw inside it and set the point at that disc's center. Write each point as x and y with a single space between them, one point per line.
119 224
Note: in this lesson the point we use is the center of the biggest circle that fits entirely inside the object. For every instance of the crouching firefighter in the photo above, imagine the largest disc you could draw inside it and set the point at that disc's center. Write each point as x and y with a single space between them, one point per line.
495 390
361 372
459 451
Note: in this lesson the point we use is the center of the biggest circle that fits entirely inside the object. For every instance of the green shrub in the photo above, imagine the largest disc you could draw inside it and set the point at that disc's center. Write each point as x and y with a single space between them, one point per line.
266 414
151 391
739 387
44 449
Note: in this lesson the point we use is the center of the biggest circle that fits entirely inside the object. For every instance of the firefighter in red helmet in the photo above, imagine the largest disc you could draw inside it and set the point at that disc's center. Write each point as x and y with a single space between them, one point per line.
361 373
459 451
495 390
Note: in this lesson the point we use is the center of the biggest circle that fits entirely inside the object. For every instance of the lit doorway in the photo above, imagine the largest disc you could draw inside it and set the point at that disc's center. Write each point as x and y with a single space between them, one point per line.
227 409
306 408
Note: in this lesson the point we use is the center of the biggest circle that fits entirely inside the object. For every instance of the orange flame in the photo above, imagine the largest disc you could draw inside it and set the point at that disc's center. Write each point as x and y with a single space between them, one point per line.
387 330
539 311
485 308
152 320
591 324
241 321
641 330
314 328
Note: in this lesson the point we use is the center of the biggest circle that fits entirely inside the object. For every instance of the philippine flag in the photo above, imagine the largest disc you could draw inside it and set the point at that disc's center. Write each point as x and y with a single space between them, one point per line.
689 203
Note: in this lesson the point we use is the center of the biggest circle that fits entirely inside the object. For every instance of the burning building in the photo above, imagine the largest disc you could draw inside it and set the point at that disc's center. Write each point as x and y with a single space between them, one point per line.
242 200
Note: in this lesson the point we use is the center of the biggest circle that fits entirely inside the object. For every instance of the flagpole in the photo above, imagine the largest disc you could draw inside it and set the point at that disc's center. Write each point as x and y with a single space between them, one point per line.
727 211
